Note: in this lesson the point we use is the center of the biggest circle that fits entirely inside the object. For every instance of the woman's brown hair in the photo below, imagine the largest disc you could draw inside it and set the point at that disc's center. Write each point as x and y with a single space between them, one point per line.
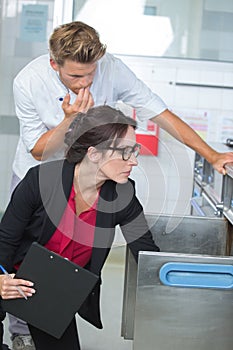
101 127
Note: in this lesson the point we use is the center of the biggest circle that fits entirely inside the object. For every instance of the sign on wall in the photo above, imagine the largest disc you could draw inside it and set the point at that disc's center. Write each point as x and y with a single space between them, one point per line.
33 23
147 134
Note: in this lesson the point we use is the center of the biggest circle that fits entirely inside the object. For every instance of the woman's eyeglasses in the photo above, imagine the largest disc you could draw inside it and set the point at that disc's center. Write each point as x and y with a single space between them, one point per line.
127 151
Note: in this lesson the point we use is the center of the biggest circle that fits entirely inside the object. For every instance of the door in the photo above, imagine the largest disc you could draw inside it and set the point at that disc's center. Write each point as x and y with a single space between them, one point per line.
184 301
187 235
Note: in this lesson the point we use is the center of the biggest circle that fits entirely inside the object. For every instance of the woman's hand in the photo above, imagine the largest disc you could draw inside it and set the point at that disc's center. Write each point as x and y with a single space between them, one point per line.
9 285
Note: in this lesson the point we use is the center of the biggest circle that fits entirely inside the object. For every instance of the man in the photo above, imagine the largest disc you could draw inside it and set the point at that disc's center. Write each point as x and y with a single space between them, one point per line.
76 75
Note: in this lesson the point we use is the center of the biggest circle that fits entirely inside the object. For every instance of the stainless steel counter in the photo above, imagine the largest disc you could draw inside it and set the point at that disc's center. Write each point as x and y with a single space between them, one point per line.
184 301
228 193
160 316
229 169
188 234
208 186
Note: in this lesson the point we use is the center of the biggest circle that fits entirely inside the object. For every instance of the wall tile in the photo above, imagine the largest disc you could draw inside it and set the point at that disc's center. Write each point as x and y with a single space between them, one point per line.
188 75
211 77
210 98
227 100
186 97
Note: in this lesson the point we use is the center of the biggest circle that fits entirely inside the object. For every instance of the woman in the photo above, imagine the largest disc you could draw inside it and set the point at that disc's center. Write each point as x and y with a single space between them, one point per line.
72 206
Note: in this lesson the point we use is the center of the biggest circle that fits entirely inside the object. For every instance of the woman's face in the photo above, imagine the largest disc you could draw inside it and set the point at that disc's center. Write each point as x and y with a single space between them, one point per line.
112 166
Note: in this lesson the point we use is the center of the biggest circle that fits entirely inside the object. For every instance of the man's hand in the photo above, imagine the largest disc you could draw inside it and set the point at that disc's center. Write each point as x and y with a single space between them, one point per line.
220 160
53 140
83 102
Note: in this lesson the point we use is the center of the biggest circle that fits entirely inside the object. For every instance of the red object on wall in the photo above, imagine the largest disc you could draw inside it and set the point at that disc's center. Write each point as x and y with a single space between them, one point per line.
149 144
148 137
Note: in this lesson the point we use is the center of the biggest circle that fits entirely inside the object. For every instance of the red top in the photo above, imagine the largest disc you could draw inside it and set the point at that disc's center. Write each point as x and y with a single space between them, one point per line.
74 236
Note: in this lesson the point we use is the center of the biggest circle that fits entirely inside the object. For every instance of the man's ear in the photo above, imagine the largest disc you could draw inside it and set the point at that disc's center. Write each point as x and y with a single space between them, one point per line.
53 64
94 154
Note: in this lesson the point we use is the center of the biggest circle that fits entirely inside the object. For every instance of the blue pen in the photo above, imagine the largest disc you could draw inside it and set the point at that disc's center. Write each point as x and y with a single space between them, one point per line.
18 288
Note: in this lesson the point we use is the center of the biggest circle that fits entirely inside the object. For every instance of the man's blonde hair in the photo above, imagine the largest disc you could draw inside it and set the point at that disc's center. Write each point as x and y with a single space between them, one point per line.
75 41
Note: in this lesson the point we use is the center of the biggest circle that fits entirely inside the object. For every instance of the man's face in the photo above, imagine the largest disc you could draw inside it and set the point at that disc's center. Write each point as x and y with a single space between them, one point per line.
74 75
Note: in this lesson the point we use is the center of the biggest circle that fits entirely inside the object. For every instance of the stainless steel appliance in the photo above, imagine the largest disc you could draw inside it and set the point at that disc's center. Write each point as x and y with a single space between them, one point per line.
208 185
228 193
188 234
184 302
159 315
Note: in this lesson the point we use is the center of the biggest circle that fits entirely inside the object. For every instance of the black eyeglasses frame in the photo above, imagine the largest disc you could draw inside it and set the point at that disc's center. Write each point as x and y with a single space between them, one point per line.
131 150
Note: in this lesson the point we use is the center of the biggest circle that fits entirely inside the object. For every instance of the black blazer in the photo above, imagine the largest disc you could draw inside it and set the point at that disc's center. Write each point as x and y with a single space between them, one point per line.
36 208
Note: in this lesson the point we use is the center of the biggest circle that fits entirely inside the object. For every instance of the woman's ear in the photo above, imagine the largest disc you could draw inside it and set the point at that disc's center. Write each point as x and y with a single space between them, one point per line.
93 154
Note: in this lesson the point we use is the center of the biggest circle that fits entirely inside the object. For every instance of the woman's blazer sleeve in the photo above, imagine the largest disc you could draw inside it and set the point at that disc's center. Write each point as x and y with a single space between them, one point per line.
134 226
17 218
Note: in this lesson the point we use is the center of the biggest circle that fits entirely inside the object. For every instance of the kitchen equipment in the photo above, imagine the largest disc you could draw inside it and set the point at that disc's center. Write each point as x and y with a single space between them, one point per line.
207 199
187 234
228 193
183 302
160 316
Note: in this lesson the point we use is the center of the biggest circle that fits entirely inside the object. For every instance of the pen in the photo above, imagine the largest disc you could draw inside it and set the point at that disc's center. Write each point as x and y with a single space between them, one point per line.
18 288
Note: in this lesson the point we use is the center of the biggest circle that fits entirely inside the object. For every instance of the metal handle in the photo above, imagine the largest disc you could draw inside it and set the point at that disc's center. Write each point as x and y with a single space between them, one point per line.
217 207
177 83
208 200
229 169
197 206
195 275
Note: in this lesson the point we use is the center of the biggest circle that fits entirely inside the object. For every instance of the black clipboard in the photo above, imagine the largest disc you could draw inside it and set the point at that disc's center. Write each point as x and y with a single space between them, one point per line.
61 288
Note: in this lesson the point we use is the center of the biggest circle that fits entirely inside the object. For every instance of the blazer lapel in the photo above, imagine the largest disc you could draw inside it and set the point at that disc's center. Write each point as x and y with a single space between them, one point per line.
105 227
55 181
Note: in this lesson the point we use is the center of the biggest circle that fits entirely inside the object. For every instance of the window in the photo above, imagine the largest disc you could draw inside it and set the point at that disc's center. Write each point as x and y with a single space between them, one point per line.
200 29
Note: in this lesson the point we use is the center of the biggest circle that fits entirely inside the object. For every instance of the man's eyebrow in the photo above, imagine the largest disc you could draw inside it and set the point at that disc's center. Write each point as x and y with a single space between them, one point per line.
76 75
82 75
